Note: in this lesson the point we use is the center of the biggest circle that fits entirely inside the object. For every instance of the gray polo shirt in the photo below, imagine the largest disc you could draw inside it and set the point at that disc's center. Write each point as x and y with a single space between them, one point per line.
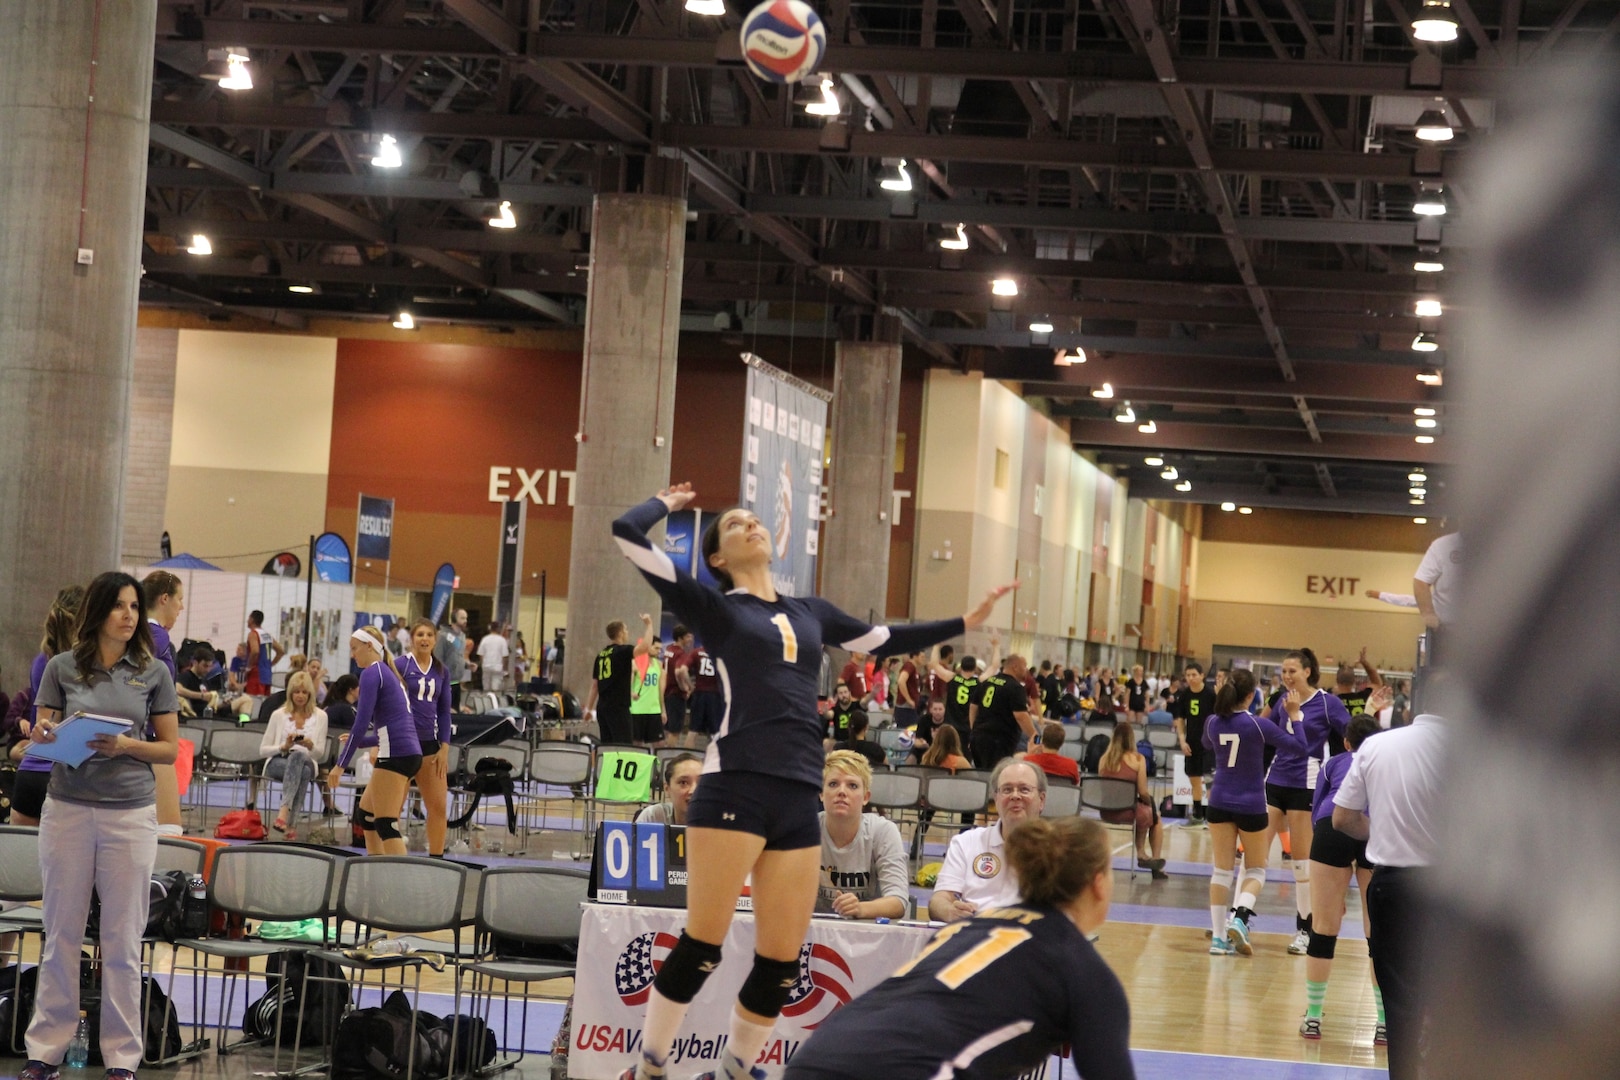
128 692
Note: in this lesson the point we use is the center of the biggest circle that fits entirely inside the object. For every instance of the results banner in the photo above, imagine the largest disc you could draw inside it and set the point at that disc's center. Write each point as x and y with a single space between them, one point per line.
784 438
621 949
374 528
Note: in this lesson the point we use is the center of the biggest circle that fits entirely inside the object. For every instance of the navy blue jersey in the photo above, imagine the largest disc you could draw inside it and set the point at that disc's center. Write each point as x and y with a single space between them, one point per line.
767 656
989 998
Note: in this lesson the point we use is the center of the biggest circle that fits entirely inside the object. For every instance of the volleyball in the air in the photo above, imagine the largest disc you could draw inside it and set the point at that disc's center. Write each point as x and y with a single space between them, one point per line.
783 41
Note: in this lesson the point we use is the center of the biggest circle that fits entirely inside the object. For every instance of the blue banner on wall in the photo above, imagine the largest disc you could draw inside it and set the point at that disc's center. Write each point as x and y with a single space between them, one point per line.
681 538
374 529
332 561
783 442
444 583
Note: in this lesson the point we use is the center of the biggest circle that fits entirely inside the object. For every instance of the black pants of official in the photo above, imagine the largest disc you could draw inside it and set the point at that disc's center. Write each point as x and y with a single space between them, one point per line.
989 746
1398 912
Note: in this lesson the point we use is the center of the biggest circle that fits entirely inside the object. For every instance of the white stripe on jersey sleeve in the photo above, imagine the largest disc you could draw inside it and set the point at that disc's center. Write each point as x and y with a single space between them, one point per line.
981 1046
649 560
867 642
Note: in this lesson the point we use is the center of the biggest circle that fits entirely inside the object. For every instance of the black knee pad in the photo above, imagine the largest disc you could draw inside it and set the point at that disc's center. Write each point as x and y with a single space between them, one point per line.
363 818
686 969
1322 946
387 828
767 987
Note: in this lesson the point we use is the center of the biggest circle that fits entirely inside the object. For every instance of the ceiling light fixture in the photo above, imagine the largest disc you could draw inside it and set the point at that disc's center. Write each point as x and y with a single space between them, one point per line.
1420 521
1430 376
387 155
1425 342
404 321
1245 509
1004 286
504 219
1425 439
1040 326
1417 491
1426 422
1428 266
706 7
1423 410
1432 126
959 242
1435 22
1105 391
1065 357
828 105
1185 485
236 73
901 181
1229 507
301 289
1155 462
1149 428
1428 309
1169 473
1417 477
200 245
1124 414
1414 502
1430 202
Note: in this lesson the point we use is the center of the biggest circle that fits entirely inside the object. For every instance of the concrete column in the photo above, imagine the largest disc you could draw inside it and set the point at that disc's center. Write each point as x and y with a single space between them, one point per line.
66 329
627 408
865 416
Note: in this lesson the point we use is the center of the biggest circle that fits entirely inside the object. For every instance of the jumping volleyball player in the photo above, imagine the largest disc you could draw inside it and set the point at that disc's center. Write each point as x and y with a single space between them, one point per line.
756 808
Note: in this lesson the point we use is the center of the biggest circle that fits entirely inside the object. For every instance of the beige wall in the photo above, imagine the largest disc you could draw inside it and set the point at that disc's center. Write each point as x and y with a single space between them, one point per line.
151 422
250 447
1390 636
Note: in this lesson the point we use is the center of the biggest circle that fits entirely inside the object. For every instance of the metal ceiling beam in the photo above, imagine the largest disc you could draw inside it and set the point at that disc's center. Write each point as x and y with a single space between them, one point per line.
979 300
1149 486
230 113
1034 363
1092 69
1137 373
1195 438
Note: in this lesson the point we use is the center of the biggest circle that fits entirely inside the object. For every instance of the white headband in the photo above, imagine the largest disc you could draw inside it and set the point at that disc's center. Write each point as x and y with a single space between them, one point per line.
361 636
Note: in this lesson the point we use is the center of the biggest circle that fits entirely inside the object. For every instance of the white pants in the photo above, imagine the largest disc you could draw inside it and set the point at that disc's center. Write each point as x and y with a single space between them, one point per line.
112 850
494 680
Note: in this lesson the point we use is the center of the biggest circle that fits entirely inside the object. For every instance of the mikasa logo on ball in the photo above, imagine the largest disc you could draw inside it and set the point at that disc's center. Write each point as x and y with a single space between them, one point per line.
783 41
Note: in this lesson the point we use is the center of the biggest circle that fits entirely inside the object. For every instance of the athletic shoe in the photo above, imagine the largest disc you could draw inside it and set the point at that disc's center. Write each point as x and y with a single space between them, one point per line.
1160 875
1310 1027
38 1070
1195 823
1237 932
1301 942
1220 947
1380 1035
1150 864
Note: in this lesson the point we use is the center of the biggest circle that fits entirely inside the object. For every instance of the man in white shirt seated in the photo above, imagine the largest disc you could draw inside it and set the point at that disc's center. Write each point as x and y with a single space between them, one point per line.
863 862
975 875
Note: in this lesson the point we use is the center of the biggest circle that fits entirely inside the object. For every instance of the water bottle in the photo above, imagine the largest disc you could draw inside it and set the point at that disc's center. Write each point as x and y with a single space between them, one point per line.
78 1051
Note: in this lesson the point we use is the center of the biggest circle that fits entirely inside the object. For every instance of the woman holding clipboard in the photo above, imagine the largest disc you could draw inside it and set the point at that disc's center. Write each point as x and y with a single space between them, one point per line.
98 830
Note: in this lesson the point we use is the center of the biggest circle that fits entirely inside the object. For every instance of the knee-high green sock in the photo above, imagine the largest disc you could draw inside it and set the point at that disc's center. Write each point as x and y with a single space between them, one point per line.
1315 992
1378 996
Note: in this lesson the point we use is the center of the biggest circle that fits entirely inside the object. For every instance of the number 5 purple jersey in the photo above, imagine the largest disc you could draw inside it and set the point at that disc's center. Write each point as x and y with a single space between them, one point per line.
767 656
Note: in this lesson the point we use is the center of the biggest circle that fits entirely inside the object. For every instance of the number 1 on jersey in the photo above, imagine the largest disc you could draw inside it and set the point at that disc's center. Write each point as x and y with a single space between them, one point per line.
790 640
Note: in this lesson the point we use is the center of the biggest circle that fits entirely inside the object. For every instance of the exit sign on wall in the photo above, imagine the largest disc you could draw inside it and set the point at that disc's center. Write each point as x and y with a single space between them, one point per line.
1331 587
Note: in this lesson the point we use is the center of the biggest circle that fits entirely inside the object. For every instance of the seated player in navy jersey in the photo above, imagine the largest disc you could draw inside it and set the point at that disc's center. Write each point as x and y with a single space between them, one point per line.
756 810
993 996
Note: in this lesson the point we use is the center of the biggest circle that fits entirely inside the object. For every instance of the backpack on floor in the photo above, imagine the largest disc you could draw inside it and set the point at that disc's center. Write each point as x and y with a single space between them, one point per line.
1145 748
240 825
324 1004
17 988
382 1042
167 898
160 1039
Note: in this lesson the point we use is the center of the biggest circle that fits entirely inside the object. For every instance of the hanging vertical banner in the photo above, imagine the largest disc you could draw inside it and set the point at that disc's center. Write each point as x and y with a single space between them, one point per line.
374 529
681 538
784 435
509 561
444 583
332 561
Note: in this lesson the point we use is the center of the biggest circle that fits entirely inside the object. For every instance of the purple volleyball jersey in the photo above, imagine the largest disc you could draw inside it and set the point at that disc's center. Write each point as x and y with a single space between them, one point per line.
429 692
1238 741
1327 785
1321 714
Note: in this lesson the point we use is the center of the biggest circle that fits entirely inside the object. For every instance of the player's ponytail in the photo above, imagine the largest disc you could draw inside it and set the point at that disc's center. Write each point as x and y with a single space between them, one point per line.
1056 859
1234 692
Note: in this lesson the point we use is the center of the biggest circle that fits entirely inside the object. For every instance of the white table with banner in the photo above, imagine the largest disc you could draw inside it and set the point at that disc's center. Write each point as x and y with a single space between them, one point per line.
621 948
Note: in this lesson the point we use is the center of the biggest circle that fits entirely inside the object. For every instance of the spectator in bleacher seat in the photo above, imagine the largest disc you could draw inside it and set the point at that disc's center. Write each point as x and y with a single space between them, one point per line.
946 750
680 781
317 678
859 744
1122 761
293 742
840 712
1047 758
975 875
203 693
863 862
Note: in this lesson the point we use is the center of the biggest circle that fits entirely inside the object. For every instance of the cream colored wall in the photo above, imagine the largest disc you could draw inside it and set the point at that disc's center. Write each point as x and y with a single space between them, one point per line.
1390 635
1275 574
250 447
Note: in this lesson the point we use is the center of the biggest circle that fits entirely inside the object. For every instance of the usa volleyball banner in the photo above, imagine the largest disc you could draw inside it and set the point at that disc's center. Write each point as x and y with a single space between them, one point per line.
622 948
784 438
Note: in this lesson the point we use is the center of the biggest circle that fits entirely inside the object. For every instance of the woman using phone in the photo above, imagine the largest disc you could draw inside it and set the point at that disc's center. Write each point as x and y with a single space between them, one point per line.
98 832
293 739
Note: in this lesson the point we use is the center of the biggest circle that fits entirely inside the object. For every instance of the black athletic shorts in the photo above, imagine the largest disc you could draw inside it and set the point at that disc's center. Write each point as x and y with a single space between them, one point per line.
1197 762
674 714
615 724
405 765
1289 798
28 796
708 709
783 811
1330 847
1245 822
989 747
648 727
430 747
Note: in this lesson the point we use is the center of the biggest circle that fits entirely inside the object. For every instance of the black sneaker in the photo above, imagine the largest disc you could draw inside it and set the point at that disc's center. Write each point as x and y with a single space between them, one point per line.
38 1070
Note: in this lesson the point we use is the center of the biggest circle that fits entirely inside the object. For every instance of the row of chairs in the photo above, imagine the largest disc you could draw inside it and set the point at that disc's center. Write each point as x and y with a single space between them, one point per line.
355 898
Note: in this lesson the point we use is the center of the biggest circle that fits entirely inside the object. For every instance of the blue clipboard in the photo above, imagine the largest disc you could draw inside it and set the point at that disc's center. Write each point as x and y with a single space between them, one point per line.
73 735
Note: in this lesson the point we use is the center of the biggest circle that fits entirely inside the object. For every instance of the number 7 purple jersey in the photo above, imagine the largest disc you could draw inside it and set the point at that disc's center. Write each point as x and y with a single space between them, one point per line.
1238 741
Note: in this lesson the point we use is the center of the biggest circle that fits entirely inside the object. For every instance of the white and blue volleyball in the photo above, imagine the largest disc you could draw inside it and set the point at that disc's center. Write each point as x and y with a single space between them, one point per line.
783 41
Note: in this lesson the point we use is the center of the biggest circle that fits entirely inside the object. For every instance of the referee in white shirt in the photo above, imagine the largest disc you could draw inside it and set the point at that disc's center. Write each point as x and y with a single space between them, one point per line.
1390 798
976 874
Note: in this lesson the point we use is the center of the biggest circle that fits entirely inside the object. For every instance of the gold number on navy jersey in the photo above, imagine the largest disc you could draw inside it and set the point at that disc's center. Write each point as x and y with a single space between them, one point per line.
790 640
998 943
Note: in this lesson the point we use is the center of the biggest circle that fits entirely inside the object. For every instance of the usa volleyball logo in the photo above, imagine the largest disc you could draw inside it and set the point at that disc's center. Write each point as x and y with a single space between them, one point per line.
638 965
783 40
823 975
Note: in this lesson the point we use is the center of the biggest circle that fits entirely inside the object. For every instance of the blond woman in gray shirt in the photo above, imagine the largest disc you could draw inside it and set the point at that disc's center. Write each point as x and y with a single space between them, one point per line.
98 830
863 862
